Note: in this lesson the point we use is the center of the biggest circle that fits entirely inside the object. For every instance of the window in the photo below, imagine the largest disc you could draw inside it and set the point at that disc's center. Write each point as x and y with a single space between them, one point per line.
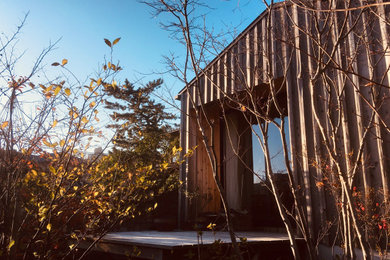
276 151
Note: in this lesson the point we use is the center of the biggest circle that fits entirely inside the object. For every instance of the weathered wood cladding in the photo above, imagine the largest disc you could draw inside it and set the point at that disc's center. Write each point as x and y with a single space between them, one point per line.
280 45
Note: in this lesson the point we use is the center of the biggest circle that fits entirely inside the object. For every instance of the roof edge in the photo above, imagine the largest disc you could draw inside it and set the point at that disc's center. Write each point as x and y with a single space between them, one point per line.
230 45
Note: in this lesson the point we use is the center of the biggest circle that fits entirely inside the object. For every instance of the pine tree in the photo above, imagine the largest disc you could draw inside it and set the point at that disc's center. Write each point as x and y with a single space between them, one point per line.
142 131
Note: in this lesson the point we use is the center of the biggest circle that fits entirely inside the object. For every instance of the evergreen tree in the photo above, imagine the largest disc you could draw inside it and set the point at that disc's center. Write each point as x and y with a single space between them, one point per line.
142 131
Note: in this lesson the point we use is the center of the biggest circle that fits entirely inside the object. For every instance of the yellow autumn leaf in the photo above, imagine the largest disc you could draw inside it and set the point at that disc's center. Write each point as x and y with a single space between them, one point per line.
64 62
114 84
75 115
62 142
176 150
52 169
4 124
165 165
46 143
48 226
67 92
92 104
84 120
57 90
116 41
211 226
34 172
11 244
49 88
99 81
54 123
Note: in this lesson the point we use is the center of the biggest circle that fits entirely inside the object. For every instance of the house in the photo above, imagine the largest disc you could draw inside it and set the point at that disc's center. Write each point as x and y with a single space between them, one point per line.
325 67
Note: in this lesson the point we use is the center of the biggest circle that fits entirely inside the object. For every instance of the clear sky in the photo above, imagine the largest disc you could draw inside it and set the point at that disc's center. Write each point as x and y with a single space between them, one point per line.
83 24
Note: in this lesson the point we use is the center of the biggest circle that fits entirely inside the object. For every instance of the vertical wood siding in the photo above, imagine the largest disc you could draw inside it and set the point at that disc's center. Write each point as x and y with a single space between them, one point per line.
364 53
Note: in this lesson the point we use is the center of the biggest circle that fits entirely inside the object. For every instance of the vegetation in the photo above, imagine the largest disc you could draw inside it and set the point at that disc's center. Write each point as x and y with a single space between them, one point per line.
325 40
53 196
143 135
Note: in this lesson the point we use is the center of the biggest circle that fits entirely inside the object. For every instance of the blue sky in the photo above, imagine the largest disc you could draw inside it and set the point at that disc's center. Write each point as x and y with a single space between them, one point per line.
83 24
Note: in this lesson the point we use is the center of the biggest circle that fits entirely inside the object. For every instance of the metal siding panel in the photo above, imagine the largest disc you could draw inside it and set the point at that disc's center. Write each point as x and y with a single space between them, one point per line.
248 55
219 81
302 124
233 61
264 49
255 55
226 70
205 87
213 81
384 77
